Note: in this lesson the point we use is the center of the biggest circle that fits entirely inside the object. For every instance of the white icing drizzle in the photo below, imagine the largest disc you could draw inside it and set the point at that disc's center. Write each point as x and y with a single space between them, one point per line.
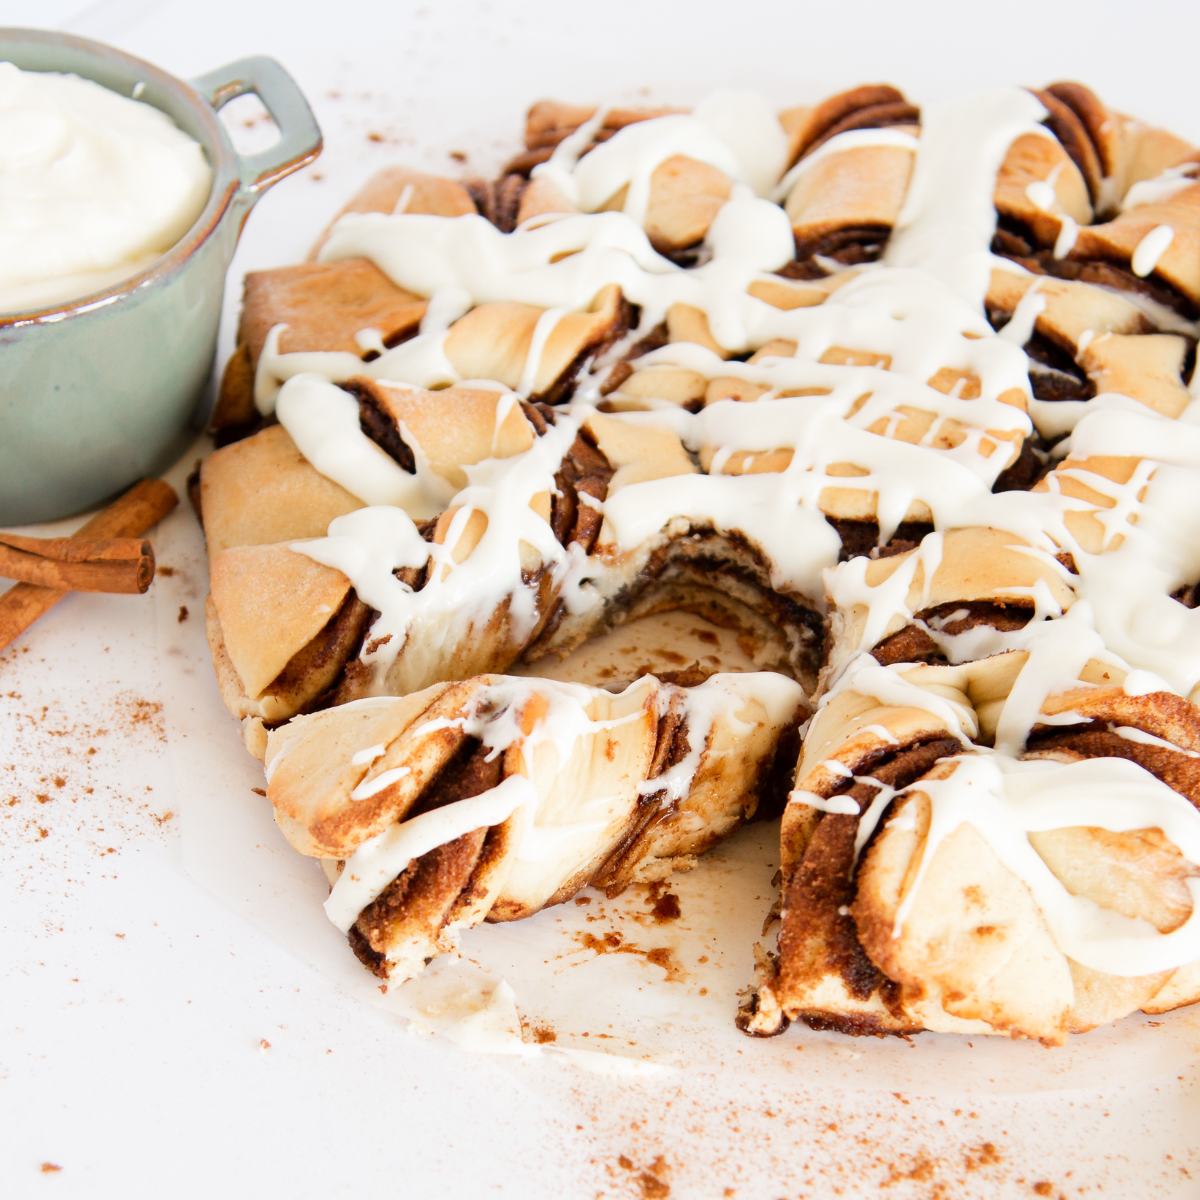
891 687
1161 187
844 806
368 545
720 696
374 784
1008 799
1041 193
948 216
367 755
382 858
1021 324
1150 249
797 542
1132 734
323 421
883 733
537 345
1129 587
1057 652
852 139
872 814
1068 233
736 132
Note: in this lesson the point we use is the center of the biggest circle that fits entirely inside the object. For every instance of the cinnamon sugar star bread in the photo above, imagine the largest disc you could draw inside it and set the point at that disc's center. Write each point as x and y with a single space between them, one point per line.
902 398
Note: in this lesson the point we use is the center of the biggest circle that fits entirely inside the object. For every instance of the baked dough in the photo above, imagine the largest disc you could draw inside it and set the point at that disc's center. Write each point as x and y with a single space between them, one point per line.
904 396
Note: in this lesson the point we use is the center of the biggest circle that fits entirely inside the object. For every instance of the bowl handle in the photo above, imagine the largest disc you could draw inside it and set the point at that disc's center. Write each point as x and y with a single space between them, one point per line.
299 135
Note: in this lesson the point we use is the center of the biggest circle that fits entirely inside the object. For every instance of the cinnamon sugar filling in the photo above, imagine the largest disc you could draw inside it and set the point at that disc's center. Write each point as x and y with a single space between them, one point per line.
1098 739
915 644
1013 240
421 899
379 426
312 674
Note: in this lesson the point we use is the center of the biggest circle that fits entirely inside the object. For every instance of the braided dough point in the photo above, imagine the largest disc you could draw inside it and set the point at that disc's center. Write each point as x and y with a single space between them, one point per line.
607 789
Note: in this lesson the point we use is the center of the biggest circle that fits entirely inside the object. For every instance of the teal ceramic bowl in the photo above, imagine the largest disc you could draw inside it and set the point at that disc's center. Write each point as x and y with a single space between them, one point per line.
96 393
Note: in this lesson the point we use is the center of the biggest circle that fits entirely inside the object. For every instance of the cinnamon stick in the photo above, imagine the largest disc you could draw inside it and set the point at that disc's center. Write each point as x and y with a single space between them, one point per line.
129 516
76 564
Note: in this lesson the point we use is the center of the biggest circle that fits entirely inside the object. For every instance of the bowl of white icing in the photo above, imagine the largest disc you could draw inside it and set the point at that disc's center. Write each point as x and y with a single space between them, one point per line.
121 201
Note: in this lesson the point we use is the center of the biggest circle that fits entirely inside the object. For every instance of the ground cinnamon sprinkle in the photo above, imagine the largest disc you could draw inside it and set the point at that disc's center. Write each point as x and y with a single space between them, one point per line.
875 1146
614 943
183 614
652 1187
65 798
137 711
921 1170
651 1181
542 1034
664 905
983 1155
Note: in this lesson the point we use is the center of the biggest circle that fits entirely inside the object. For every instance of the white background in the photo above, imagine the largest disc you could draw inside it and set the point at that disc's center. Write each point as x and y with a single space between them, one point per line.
159 1036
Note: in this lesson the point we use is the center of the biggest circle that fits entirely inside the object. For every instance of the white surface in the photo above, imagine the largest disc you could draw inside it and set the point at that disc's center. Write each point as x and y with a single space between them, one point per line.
141 982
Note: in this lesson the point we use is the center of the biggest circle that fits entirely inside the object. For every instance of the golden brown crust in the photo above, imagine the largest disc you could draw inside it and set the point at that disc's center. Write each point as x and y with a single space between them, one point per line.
867 106
393 187
262 490
271 603
1178 266
849 201
323 306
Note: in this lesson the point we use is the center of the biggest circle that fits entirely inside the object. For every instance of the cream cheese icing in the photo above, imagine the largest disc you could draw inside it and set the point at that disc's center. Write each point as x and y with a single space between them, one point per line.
94 186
